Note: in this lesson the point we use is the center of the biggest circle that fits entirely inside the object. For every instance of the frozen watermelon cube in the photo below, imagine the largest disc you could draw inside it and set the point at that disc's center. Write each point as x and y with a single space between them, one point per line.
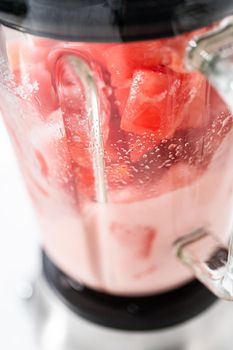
154 103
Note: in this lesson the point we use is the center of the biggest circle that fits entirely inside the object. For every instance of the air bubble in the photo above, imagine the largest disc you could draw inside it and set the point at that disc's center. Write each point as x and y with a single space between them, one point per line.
134 169
167 164
109 91
226 120
123 182
172 146
141 181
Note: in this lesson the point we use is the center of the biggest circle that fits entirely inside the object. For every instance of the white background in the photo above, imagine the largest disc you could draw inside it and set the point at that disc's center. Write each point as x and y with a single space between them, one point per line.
18 251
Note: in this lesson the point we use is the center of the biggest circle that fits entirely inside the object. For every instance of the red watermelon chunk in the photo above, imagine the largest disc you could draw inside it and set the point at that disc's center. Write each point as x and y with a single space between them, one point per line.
159 103
21 54
44 97
136 240
154 103
123 59
121 95
196 109
32 79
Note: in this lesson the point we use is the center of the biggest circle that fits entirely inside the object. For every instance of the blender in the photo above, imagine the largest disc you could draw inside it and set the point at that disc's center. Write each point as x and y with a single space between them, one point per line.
120 114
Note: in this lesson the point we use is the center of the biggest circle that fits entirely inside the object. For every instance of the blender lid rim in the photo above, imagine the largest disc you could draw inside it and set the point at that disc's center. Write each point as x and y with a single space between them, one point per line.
111 20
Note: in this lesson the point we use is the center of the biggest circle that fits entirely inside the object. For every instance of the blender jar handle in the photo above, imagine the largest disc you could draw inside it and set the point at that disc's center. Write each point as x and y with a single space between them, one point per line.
212 263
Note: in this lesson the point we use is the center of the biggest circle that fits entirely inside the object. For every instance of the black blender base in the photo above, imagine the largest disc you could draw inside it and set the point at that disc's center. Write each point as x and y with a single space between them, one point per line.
129 313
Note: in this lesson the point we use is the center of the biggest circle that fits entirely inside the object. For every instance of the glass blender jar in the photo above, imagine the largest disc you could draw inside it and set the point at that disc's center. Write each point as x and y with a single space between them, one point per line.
121 117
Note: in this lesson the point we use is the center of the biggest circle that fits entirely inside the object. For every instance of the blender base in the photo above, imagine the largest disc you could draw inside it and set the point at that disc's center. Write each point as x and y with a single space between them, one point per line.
129 313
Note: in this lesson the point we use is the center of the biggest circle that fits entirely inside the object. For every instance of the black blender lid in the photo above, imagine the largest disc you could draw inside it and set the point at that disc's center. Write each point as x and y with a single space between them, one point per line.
111 20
